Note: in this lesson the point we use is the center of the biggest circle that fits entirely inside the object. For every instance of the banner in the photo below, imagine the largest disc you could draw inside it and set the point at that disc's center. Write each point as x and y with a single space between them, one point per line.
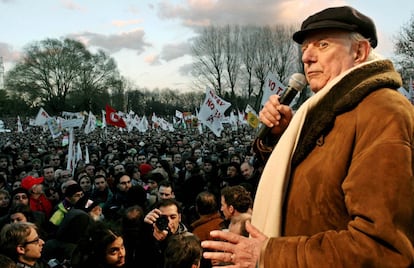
271 86
212 111
252 118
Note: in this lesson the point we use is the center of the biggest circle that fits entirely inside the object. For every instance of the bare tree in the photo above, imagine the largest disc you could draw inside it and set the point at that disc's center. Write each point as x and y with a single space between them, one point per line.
208 58
284 53
262 60
232 55
248 48
404 50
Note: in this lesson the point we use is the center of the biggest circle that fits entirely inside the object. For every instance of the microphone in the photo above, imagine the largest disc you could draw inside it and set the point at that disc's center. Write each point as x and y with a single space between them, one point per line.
297 82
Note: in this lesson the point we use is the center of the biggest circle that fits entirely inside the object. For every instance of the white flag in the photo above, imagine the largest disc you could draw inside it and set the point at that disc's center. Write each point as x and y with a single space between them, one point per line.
41 117
178 114
19 125
143 124
212 111
90 124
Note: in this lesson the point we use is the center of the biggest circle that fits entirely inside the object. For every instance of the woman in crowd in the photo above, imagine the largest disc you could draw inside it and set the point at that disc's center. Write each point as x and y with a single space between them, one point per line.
103 247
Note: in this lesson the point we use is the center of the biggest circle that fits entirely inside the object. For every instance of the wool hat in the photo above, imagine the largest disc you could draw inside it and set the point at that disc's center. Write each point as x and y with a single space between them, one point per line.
144 169
72 189
345 18
29 181
20 190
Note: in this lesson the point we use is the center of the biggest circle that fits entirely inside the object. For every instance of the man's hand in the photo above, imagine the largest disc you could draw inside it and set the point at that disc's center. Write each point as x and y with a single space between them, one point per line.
152 216
159 234
238 250
275 115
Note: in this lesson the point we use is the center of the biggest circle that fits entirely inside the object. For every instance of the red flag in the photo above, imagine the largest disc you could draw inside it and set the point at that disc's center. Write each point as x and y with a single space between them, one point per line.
112 118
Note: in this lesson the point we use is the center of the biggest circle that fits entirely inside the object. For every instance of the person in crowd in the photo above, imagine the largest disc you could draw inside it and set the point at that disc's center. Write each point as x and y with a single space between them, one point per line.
49 180
211 177
73 194
210 218
71 230
5 164
36 165
234 201
55 161
133 233
85 182
133 172
251 177
4 202
65 175
330 189
21 242
16 184
144 169
37 198
20 197
183 252
101 192
178 161
6 262
173 171
107 244
189 184
114 206
119 168
233 175
153 179
141 158
153 160
90 170
163 222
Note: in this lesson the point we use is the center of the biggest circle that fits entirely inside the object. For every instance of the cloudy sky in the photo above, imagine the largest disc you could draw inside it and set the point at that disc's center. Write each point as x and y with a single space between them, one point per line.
149 38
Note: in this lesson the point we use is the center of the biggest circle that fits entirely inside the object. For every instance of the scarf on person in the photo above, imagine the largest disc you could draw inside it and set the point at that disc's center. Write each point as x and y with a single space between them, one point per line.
318 114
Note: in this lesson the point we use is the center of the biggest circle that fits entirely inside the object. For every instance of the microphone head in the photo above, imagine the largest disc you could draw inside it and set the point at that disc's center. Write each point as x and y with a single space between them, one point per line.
297 81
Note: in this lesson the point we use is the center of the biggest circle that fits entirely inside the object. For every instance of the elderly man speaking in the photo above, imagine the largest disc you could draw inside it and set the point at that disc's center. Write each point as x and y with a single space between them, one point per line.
337 190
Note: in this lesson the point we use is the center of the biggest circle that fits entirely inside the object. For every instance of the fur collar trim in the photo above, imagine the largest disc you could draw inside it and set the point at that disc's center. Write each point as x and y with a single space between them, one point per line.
343 97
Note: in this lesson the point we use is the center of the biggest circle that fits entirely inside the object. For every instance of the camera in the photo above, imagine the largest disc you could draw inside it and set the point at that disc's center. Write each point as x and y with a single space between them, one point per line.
162 223
54 263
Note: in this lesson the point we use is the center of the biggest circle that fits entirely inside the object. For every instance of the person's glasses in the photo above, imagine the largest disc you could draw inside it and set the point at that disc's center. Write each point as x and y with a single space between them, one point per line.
20 197
141 159
56 159
125 182
34 241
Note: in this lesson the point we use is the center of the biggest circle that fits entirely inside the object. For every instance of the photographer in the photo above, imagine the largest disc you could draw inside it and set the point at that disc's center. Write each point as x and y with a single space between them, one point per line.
165 221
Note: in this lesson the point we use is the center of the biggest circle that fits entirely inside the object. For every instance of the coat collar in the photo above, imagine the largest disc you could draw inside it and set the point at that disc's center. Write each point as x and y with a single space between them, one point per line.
343 97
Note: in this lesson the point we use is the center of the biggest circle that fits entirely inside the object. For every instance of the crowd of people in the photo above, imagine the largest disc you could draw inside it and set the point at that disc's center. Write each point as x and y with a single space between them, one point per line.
113 197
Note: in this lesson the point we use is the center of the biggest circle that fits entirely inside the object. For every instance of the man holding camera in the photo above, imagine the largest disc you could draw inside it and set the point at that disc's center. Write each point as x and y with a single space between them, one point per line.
165 221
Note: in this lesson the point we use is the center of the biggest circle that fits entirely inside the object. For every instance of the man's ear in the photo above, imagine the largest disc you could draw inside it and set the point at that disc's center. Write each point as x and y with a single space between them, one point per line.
231 209
20 250
361 51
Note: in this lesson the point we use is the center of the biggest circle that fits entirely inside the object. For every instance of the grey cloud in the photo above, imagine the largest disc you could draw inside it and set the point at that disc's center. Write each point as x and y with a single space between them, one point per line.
223 12
133 40
186 69
173 51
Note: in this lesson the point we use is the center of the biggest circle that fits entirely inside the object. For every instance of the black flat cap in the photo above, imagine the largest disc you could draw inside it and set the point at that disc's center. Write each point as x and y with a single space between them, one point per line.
344 18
